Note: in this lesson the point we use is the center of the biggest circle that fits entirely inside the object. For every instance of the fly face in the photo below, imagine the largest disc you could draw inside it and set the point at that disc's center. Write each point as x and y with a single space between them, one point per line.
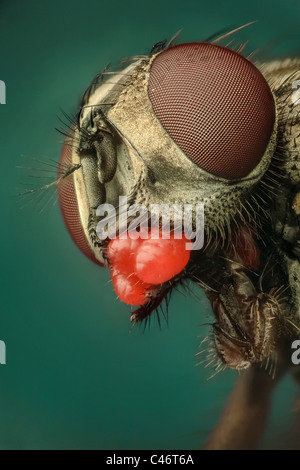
193 123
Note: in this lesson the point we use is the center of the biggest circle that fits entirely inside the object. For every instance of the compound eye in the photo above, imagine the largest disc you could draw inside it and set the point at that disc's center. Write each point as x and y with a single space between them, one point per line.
215 105
69 204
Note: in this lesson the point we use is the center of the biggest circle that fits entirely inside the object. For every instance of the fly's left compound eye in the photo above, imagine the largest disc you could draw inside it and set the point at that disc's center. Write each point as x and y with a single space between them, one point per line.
68 201
215 105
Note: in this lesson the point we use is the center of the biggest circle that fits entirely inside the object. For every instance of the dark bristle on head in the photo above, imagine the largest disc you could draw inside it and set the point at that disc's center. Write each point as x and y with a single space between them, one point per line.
159 46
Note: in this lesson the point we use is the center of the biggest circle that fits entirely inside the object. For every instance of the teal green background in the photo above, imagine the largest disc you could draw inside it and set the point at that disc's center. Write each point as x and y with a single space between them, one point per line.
78 376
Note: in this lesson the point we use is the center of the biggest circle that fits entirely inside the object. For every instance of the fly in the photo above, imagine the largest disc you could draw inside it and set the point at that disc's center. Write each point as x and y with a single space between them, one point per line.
188 124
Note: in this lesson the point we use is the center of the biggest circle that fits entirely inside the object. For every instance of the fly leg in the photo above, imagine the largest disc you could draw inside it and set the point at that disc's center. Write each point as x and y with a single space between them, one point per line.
245 415
248 322
250 334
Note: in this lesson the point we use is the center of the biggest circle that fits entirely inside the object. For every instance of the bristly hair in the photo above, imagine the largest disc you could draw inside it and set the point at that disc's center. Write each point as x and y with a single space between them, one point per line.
211 358
52 174
158 303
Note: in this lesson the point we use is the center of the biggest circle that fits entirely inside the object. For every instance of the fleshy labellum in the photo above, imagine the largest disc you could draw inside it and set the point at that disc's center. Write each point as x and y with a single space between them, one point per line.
140 266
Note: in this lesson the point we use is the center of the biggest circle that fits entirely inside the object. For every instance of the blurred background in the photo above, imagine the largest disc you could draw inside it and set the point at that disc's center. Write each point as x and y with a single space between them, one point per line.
78 376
